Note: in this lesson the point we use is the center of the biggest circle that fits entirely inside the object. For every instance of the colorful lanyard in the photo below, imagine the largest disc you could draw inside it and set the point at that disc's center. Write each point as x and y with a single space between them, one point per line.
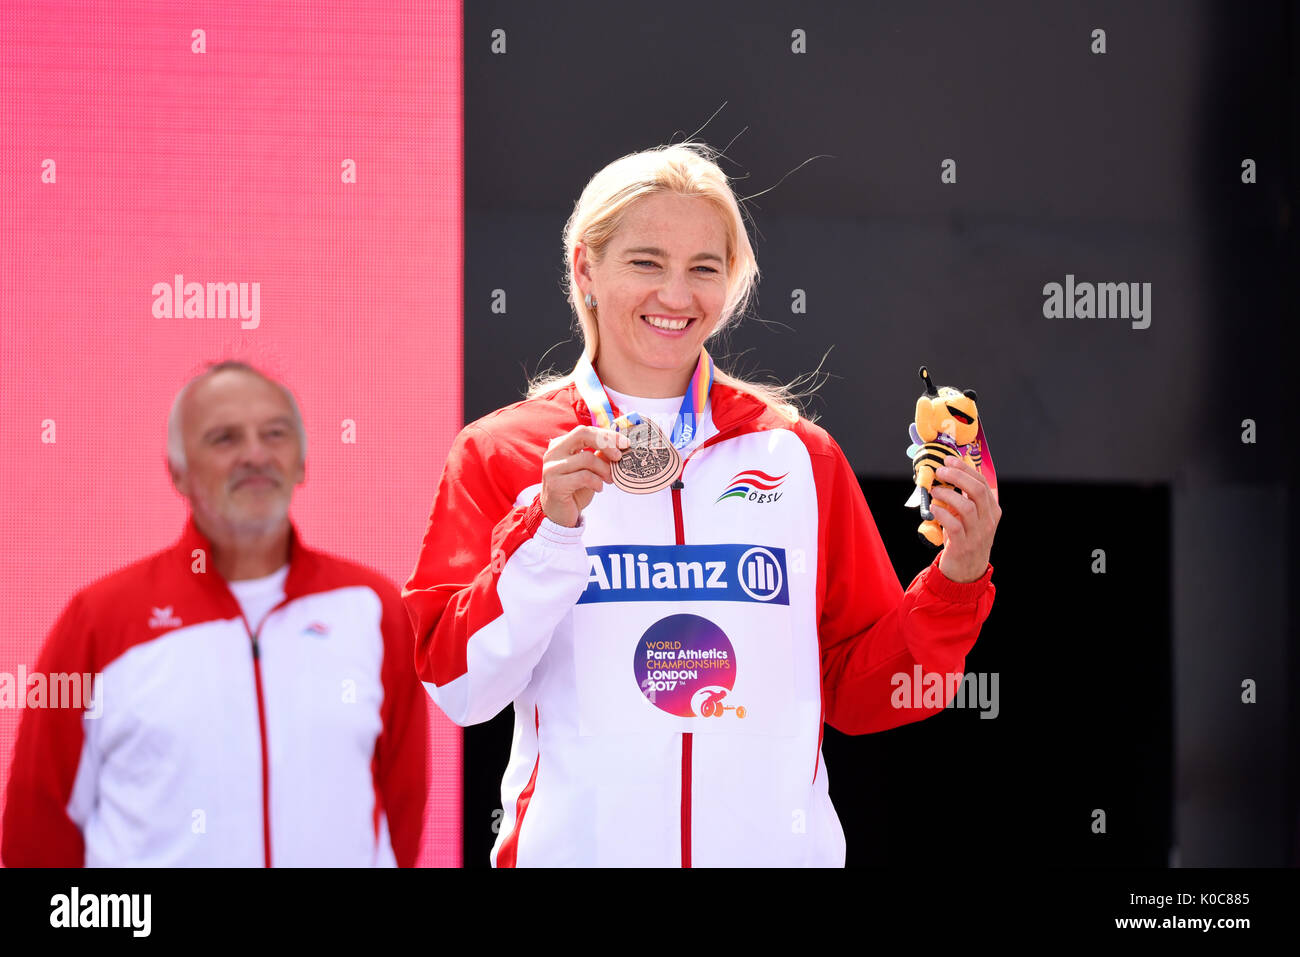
602 410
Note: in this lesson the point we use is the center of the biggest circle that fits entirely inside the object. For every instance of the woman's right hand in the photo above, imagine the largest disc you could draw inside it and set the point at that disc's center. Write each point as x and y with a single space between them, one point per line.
575 467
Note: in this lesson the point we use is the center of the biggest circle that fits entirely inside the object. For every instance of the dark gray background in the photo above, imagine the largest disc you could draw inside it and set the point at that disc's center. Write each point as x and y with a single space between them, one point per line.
1122 167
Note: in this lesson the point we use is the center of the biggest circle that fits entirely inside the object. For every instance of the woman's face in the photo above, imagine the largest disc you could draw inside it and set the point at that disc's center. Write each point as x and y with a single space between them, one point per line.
659 293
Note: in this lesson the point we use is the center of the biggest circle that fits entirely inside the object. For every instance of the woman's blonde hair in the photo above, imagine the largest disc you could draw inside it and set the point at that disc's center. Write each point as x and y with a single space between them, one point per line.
683 169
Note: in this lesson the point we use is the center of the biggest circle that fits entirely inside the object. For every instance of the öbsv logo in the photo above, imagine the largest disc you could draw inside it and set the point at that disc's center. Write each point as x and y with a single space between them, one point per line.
753 486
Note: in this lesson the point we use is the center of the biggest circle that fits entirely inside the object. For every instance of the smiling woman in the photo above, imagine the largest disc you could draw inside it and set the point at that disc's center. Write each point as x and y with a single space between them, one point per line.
657 238
672 650
656 312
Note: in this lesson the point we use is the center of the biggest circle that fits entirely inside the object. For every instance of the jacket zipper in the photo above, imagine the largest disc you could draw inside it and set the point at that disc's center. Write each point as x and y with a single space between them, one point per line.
686 735
253 637
266 772
679 528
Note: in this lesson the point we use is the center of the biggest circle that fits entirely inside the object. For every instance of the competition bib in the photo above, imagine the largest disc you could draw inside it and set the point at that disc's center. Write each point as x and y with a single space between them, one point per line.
685 638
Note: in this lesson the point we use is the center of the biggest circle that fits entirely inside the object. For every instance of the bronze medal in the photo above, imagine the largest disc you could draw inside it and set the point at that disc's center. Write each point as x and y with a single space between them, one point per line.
649 463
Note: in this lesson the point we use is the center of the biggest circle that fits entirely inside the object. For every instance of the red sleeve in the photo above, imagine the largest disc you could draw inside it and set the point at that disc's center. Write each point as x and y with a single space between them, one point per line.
492 580
402 752
38 831
870 629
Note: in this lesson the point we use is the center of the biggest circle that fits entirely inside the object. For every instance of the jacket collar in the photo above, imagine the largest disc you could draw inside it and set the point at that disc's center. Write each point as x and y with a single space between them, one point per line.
302 560
728 406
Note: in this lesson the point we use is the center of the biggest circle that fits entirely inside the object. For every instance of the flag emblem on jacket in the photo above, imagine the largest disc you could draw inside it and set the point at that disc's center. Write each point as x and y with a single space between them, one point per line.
319 629
753 486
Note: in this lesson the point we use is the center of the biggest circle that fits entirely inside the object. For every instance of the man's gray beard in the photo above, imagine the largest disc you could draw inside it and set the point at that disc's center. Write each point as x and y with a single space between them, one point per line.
252 528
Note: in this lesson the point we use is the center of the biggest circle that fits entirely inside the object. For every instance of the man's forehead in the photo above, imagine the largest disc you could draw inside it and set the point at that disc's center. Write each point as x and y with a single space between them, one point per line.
235 394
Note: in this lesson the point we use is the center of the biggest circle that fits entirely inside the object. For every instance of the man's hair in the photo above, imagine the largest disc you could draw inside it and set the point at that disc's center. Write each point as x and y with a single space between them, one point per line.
176 441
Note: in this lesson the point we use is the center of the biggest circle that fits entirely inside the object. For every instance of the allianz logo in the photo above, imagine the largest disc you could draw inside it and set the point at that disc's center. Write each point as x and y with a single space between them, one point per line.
723 572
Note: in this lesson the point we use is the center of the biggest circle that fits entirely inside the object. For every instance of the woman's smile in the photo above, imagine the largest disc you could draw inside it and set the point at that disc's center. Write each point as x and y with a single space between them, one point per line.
671 327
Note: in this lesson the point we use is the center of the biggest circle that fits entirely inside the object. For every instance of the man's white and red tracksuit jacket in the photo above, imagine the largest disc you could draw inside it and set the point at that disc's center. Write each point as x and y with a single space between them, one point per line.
301 745
673 658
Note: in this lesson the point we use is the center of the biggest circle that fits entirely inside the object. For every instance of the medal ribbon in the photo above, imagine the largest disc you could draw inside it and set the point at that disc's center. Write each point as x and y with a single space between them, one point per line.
984 459
602 410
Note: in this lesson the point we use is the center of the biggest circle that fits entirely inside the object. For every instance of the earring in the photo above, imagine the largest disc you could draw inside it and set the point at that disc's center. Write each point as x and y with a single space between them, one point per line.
590 300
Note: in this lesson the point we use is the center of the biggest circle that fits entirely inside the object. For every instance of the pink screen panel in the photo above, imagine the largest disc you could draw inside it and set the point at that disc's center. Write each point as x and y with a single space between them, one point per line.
311 148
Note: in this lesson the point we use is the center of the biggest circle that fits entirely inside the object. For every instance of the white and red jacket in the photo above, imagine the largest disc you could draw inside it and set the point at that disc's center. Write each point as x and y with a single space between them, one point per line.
302 744
673 658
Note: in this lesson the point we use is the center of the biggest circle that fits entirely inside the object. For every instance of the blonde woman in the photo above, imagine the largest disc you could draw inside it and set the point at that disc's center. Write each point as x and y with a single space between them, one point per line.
671 574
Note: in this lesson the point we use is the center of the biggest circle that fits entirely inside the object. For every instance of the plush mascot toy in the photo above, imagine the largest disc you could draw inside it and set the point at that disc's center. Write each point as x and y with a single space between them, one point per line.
947 423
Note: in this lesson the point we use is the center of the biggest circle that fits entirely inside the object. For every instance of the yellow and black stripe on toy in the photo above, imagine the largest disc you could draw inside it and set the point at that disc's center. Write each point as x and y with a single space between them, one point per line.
946 423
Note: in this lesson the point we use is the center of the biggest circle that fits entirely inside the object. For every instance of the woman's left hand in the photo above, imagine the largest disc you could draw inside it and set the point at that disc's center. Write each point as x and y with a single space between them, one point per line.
968 528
